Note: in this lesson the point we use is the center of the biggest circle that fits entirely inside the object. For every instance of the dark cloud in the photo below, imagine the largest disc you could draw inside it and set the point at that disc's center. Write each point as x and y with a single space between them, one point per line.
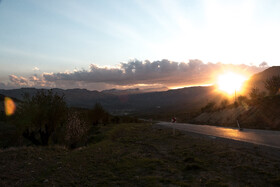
263 64
163 72
135 73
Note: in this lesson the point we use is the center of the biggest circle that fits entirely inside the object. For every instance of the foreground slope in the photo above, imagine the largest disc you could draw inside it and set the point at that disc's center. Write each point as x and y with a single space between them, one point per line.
143 155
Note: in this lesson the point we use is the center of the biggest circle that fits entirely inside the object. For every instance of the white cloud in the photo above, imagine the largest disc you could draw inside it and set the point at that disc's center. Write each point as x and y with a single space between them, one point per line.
36 69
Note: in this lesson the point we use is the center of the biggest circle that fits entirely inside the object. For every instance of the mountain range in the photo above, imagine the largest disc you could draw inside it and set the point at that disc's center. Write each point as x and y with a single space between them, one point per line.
134 101
128 101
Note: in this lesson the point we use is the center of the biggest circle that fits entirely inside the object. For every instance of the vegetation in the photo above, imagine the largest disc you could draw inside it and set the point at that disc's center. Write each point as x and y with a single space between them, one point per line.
273 85
40 116
224 103
45 119
142 155
98 115
209 107
255 93
76 130
242 99
260 111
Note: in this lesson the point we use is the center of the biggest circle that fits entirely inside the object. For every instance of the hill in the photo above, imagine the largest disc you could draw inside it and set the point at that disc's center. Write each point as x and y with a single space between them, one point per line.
122 92
170 101
264 114
261 113
258 79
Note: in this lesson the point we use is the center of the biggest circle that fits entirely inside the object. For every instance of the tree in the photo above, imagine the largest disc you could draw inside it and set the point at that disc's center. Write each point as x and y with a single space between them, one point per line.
255 93
273 84
41 115
99 115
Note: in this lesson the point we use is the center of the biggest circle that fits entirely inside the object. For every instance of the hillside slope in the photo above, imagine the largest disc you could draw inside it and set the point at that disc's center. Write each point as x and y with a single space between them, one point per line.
143 155
263 114
258 79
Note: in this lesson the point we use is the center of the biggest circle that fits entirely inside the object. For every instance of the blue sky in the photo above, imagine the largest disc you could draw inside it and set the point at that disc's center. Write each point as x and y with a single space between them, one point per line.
53 36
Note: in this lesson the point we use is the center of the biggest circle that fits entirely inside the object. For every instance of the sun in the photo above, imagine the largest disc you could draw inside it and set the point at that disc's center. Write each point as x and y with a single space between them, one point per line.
230 82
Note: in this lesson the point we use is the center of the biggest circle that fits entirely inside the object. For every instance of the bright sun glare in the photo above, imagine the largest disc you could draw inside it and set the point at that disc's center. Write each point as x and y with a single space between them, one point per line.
230 82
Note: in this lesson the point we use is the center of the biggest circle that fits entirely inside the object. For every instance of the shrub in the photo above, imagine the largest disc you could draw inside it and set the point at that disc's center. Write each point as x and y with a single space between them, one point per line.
242 99
224 104
255 93
209 107
40 116
98 115
76 130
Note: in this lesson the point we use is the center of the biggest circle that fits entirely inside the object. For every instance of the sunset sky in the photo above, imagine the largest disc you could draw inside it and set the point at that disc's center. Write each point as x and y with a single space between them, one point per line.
103 44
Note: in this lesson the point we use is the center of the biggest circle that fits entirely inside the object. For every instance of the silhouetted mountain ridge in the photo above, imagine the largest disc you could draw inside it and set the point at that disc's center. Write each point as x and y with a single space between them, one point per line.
258 79
185 98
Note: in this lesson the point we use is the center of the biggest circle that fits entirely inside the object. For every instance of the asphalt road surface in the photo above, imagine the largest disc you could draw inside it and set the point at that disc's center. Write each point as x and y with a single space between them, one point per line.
261 137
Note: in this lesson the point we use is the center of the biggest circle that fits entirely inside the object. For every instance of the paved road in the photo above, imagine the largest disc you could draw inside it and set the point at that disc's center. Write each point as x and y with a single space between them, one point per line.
261 137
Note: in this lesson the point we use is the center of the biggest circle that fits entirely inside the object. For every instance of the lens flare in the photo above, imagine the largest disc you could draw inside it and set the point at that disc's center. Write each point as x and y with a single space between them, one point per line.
10 106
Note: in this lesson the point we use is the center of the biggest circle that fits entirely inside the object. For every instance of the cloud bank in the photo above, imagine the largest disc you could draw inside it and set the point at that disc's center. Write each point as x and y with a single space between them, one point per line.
137 73
158 72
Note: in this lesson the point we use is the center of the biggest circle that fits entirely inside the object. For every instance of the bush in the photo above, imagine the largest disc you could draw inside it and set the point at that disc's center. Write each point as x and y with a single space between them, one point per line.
40 116
98 115
242 100
224 104
76 130
209 107
255 93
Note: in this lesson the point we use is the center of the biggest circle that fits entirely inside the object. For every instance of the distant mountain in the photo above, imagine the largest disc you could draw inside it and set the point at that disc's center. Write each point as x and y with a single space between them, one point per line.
74 97
133 91
122 92
258 79
118 102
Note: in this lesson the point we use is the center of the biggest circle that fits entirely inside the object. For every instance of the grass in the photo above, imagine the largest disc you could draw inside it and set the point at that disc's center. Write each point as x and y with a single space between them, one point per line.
140 155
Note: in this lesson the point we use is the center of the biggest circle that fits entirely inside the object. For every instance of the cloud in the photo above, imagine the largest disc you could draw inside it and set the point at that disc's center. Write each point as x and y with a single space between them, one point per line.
18 81
135 73
36 69
163 72
263 64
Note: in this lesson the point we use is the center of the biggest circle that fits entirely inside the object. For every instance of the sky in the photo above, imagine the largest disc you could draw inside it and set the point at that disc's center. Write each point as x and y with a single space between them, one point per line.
104 44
